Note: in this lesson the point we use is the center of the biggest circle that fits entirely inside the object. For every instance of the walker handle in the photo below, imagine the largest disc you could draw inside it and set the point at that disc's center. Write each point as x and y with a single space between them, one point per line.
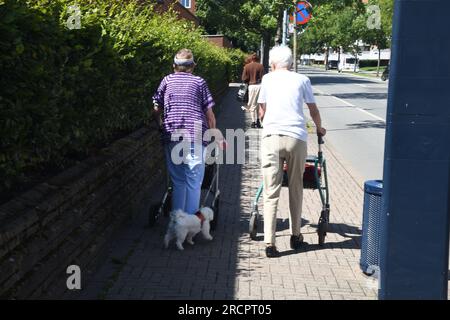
320 138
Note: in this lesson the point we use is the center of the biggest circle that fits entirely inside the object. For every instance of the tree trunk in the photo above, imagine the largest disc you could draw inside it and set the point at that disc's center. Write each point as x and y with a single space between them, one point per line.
266 48
279 34
339 58
379 60
261 50
326 58
295 51
284 28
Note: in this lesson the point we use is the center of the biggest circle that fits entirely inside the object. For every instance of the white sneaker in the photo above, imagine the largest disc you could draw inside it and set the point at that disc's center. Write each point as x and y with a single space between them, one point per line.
243 108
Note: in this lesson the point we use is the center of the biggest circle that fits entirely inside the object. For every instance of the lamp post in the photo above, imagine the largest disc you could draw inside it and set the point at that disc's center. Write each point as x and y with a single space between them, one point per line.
284 27
416 195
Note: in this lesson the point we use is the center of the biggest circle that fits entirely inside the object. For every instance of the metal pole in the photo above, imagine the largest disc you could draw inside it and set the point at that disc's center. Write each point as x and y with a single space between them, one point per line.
416 196
295 40
262 51
284 27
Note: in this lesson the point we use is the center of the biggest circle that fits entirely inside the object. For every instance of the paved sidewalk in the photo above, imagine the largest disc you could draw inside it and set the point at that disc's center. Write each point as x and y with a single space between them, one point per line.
232 266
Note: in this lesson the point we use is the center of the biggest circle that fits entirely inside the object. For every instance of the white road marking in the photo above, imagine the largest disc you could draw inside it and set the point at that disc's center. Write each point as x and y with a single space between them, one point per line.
350 105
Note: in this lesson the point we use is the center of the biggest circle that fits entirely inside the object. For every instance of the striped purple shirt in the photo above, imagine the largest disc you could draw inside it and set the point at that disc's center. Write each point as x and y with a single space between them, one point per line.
185 98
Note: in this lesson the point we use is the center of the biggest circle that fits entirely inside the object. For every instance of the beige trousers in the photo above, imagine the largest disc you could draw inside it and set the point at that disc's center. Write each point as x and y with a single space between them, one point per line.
252 105
274 150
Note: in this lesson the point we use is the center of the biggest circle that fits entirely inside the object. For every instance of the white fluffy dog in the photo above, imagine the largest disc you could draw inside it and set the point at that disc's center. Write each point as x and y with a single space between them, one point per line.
183 226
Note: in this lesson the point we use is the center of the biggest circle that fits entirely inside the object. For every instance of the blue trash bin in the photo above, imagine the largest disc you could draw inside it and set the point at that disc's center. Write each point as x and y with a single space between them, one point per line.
371 227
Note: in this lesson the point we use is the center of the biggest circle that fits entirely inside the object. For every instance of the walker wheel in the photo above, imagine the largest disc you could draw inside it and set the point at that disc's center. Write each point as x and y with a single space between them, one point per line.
167 206
322 234
153 214
252 230
216 209
323 226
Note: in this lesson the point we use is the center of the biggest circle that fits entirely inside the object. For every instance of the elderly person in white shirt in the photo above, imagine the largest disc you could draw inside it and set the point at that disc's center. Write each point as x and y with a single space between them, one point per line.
281 99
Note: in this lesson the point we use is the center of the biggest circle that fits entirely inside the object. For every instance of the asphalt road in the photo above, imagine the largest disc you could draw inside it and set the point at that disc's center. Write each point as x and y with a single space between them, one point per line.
353 111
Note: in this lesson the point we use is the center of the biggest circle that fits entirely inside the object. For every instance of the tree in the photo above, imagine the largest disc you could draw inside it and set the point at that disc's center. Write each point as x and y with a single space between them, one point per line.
345 34
332 26
387 13
320 32
245 22
378 35
341 24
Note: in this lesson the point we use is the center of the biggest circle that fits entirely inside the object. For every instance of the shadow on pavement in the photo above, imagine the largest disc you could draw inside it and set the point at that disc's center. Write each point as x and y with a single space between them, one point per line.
362 95
282 224
336 79
351 234
138 267
368 124
352 241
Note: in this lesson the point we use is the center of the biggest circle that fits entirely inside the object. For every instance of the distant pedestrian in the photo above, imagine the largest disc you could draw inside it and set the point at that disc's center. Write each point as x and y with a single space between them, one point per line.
252 75
248 60
186 104
284 137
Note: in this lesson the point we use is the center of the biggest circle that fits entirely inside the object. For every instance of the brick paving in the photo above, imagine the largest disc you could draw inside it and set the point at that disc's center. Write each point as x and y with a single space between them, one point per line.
232 266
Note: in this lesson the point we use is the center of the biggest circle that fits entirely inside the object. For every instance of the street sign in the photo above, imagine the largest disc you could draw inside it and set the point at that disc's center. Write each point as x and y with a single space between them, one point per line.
303 11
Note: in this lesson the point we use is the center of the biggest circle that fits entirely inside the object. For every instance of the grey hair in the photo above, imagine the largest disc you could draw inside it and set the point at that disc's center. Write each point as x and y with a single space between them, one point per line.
281 57
184 57
184 61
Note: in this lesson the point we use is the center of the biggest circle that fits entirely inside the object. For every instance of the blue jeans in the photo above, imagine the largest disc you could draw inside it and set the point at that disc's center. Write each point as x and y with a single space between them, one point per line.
186 165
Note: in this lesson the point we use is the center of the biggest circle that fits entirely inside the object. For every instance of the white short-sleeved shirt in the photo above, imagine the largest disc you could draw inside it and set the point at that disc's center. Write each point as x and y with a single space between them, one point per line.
284 93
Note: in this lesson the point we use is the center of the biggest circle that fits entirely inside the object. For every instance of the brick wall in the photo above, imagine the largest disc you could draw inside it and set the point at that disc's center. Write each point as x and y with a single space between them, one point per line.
69 219
193 7
219 40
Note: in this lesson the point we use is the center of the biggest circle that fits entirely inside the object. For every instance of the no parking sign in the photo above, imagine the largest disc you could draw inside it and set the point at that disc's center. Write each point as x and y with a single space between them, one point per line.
303 12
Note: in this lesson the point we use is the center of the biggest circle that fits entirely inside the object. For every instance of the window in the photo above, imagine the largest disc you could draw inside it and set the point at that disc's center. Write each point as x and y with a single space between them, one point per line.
186 3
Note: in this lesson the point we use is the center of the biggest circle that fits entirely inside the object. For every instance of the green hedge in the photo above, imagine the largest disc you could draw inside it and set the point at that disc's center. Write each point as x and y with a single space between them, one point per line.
237 64
372 63
64 92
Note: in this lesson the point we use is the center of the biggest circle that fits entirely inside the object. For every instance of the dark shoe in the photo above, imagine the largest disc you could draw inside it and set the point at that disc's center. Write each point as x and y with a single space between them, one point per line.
258 124
296 242
253 125
272 252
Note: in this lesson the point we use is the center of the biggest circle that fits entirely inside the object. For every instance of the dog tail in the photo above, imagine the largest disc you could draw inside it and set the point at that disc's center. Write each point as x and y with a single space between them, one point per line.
176 215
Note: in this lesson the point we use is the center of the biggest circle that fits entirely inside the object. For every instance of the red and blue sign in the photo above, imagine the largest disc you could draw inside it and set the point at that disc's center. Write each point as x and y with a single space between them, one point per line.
303 12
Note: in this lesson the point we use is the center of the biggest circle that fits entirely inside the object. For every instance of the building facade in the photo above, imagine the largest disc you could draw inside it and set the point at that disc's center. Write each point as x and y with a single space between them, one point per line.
219 40
189 4
185 9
